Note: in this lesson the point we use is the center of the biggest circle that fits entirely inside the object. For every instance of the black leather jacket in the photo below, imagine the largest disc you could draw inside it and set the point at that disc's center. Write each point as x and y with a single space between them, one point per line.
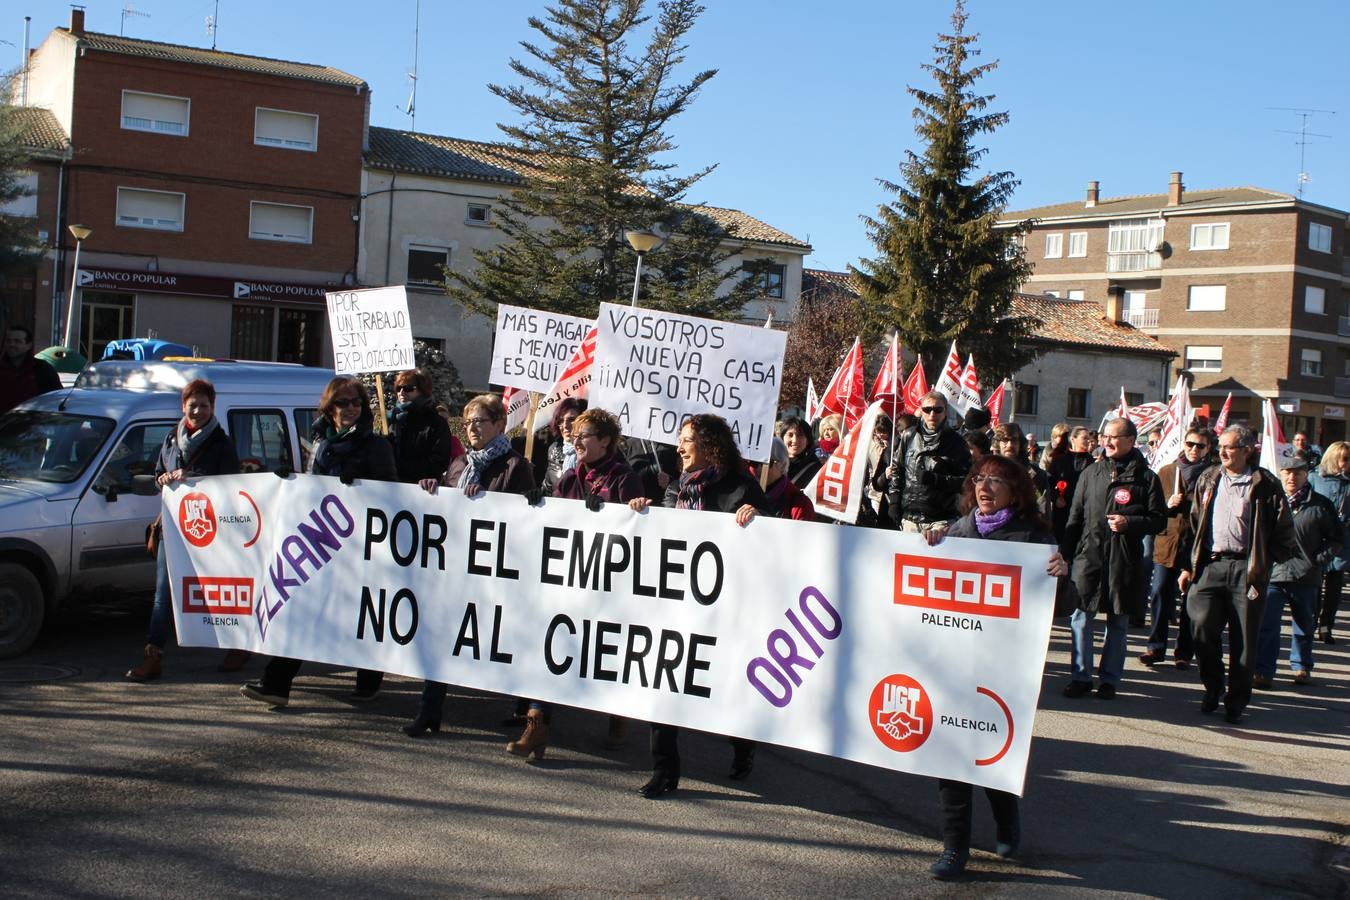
930 469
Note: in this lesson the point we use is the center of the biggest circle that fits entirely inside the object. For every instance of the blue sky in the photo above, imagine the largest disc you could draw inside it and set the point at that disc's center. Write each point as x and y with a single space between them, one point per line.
809 107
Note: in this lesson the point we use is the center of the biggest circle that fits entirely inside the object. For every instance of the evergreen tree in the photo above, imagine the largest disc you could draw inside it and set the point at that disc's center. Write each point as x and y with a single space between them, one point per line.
943 270
594 119
19 245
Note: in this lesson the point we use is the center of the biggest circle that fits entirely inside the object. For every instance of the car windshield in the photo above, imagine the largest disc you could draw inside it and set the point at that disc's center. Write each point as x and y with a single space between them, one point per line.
49 446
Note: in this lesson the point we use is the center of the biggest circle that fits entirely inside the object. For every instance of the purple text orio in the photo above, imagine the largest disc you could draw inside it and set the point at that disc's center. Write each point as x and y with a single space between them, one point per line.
301 555
775 676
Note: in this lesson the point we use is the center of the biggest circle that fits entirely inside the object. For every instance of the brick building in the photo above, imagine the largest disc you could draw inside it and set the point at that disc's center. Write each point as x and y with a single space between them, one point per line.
222 191
1247 285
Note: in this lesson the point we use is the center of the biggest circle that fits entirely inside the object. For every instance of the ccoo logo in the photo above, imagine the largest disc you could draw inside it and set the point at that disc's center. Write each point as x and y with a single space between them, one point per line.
197 519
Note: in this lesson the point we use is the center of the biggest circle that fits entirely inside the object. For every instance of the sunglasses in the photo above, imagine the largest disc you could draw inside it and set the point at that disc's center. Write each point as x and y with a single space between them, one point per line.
406 389
345 402
932 410
1196 445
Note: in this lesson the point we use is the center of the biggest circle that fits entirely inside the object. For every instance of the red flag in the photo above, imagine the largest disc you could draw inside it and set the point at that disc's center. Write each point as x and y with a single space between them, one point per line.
916 385
576 378
969 398
844 394
886 387
995 405
1222 421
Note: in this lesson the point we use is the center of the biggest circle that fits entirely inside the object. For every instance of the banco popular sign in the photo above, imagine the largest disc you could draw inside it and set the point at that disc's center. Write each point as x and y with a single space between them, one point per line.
199 285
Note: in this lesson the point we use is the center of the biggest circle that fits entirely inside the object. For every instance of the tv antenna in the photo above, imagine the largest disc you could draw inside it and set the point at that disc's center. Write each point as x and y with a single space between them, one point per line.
211 22
129 10
1303 135
410 110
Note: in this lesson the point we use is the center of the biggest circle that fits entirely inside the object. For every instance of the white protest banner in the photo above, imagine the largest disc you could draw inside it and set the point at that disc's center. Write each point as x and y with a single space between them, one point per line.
371 330
1174 425
862 644
656 369
533 346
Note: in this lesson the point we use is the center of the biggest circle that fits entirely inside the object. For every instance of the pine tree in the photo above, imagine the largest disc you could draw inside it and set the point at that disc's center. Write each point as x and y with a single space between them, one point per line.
943 268
594 120
19 245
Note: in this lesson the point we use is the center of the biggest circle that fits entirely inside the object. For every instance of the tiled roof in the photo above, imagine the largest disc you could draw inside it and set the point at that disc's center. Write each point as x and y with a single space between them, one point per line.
39 129
1083 323
448 157
1149 203
1064 323
263 65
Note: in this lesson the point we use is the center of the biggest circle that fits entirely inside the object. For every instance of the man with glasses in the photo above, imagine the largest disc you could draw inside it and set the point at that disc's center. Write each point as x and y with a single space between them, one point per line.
927 471
1115 505
1242 527
1178 483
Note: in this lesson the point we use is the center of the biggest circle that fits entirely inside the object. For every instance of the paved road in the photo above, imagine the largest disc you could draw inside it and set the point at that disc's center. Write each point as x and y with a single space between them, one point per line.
182 788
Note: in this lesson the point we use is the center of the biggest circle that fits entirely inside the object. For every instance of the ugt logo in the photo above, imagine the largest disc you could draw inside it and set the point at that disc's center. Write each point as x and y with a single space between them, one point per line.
900 713
197 519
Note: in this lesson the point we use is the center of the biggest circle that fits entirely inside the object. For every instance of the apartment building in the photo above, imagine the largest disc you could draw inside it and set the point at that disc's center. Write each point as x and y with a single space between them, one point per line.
429 204
1247 285
221 192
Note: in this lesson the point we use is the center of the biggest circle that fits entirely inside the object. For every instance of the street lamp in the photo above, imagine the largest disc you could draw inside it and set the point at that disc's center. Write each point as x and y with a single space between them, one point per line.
642 241
80 233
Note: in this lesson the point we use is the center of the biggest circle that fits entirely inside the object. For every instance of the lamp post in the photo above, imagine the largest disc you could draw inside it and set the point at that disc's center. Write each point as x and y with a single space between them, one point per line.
80 233
642 241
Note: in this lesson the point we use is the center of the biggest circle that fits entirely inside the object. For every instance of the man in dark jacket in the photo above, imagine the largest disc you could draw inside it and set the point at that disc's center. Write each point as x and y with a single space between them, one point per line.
1317 528
1241 526
928 468
1115 503
22 375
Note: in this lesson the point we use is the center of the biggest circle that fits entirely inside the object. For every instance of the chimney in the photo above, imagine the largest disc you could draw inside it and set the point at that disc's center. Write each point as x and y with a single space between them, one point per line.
1092 194
77 21
1115 304
1174 189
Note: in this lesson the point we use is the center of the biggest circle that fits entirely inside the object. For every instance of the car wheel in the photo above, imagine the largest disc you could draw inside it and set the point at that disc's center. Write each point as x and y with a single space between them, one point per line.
22 609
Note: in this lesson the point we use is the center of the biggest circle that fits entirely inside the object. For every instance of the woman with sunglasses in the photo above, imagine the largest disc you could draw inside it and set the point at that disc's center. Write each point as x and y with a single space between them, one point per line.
999 503
423 444
490 465
346 447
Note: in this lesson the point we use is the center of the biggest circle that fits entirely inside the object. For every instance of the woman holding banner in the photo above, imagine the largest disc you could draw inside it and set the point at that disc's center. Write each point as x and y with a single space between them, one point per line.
601 476
999 501
714 479
490 465
562 457
348 448
423 444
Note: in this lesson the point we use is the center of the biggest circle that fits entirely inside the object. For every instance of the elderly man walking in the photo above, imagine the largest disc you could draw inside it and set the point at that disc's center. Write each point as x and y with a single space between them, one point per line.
1116 503
1242 527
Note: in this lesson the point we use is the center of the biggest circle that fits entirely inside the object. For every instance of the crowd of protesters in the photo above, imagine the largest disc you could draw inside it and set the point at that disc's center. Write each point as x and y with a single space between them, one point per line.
1191 546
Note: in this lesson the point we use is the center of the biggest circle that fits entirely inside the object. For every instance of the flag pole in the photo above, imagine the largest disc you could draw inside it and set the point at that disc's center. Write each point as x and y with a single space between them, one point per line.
895 382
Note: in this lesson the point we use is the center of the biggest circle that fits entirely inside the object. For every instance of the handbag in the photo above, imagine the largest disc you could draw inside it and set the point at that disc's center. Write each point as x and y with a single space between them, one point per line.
154 535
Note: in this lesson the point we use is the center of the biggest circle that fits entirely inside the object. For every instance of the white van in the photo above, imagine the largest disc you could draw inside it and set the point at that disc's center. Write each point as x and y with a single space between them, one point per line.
72 525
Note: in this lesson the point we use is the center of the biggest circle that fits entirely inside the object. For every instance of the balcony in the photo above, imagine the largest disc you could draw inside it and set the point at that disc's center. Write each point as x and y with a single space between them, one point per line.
1144 318
1343 326
1343 387
1133 261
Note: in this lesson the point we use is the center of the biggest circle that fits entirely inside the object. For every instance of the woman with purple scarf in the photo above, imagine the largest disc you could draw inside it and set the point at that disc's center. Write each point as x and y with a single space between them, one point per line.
999 501
713 478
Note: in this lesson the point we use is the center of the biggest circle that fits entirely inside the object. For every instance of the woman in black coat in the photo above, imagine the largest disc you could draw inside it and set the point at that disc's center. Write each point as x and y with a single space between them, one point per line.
999 502
562 456
197 446
423 444
803 463
346 447
714 479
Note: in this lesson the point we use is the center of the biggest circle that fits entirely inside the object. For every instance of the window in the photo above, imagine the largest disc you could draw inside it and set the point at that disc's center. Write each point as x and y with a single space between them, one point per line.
280 222
300 335
261 440
1207 297
1079 402
1204 359
1054 246
1077 243
135 454
161 210
290 130
1210 237
769 277
477 214
1311 363
304 432
251 332
1132 245
1315 300
1027 399
155 112
425 264
1133 399
1319 237
24 205
1074 295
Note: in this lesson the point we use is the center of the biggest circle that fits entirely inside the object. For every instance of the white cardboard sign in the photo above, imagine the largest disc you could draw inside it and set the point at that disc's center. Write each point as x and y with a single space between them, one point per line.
371 330
532 347
655 369
853 642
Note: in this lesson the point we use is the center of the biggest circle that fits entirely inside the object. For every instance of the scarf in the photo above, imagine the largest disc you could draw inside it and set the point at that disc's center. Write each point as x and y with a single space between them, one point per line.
479 460
689 494
1190 471
1299 497
985 525
592 478
569 456
826 446
399 412
190 442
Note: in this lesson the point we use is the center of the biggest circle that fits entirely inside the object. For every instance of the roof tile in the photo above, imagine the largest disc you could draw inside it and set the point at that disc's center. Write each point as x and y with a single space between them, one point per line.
1142 204
39 129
